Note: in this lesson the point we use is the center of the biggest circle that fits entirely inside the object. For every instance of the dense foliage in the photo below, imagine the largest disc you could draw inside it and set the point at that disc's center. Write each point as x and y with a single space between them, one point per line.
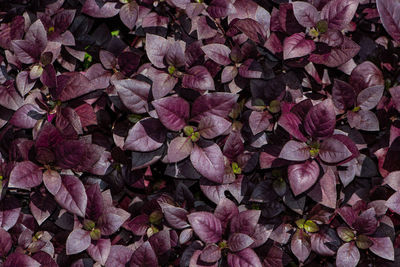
199 133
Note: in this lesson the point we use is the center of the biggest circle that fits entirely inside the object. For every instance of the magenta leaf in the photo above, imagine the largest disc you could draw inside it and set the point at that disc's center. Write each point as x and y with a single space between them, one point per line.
161 242
369 97
146 135
71 195
333 151
291 123
225 211
27 116
95 205
324 191
297 45
217 52
144 256
208 161
366 75
133 93
245 257
383 247
389 13
198 78
300 245
9 213
25 175
73 85
303 176
347 255
259 121
306 14
42 206
219 104
239 241
179 149
220 8
5 242
296 151
77 241
321 120
339 13
99 250
213 126
206 226
9 96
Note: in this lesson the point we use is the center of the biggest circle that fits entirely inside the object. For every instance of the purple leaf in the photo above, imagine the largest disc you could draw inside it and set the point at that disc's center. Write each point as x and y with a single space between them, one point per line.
383 247
296 151
129 14
363 120
108 10
333 151
95 206
173 112
42 206
175 216
339 55
210 254
297 45
389 13
239 241
163 83
324 191
208 161
259 121
393 202
77 241
185 236
199 79
72 85
119 256
5 242
291 123
25 175
52 181
219 104
9 97
251 28
111 221
18 259
156 48
245 222
395 93
321 120
339 13
366 75
138 225
225 211
393 180
213 126
9 213
25 51
220 8
179 149
368 98
217 52
133 93
144 256
146 135
71 195
246 257
319 242
300 245
27 116
343 95
99 250
44 259
303 176
206 226
306 14
98 76
347 255
332 38
161 242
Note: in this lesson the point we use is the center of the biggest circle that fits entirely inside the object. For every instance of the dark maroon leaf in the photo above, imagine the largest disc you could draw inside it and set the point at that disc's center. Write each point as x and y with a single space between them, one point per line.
291 123
25 175
220 8
303 176
219 104
9 97
343 95
144 256
161 242
72 85
206 226
77 241
324 191
27 116
5 242
366 75
225 211
42 206
321 120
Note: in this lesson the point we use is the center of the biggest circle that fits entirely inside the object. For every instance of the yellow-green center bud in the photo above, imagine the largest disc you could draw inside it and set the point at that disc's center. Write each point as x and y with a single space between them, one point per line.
235 168
95 234
322 26
356 109
51 29
89 225
195 137
171 70
156 217
188 130
274 106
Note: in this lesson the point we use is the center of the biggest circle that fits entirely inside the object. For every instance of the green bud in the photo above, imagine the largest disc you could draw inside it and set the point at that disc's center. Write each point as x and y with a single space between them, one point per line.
236 169
171 70
223 244
95 234
195 137
156 217
345 233
279 186
356 109
89 225
115 33
134 118
51 29
322 26
188 130
300 223
274 106
363 242
311 226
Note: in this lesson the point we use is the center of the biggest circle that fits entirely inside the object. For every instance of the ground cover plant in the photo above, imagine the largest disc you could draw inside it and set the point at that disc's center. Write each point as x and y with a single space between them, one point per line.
199 133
